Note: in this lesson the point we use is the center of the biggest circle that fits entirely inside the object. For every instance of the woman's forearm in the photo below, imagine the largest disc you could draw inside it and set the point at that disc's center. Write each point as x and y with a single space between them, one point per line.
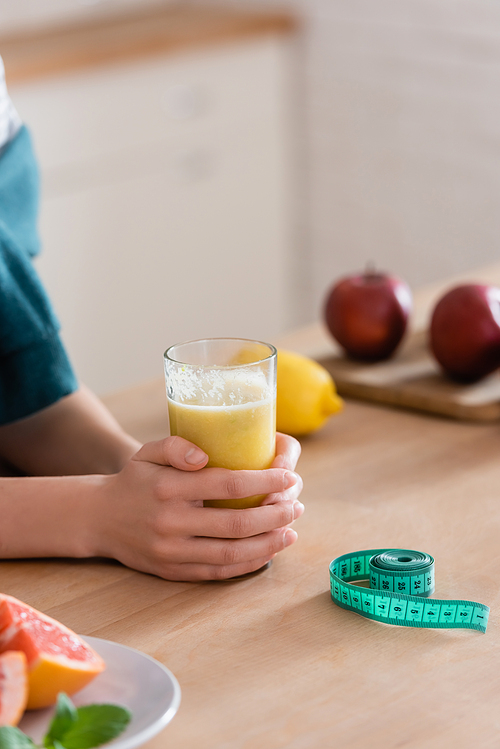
76 435
49 516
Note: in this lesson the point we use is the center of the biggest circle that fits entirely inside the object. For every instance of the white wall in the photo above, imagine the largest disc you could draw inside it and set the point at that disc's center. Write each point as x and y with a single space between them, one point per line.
404 136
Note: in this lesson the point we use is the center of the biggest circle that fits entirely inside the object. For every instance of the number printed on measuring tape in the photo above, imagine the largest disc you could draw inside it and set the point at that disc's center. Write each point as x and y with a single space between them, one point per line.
400 582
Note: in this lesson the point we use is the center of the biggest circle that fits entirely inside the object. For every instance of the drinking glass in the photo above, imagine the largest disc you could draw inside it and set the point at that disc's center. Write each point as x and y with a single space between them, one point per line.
221 395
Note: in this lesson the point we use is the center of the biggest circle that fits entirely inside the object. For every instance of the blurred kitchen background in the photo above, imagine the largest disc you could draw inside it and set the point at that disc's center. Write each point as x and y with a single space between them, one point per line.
210 169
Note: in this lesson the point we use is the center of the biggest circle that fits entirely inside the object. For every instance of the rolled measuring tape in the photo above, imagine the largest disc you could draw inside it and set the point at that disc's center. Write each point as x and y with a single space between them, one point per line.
399 581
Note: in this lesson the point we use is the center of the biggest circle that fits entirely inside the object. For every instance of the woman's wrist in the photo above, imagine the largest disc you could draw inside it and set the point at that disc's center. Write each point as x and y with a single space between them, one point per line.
50 516
94 534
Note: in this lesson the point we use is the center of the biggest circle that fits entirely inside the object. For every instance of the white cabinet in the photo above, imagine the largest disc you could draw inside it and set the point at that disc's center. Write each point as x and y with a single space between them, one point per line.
166 203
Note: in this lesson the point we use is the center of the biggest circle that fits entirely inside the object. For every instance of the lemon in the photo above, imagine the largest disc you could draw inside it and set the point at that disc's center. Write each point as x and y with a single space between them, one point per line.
306 396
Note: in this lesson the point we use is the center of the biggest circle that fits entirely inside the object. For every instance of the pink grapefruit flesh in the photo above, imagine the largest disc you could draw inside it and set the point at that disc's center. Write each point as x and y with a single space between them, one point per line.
58 659
13 687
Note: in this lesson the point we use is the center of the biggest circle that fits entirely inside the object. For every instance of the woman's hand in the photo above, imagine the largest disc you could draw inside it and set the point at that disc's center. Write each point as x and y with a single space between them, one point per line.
150 515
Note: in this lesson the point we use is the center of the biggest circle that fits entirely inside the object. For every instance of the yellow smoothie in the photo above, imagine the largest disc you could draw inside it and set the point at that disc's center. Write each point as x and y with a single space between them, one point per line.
238 436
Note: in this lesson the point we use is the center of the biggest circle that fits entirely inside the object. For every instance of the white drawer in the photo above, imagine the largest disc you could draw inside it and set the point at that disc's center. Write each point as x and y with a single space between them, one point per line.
188 155
117 108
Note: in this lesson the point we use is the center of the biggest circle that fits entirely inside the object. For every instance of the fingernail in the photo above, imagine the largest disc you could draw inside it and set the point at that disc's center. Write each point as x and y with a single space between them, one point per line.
194 456
290 479
298 509
289 537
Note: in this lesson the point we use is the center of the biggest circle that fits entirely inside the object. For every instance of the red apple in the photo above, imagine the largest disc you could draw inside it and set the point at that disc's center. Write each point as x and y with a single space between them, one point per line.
367 314
465 332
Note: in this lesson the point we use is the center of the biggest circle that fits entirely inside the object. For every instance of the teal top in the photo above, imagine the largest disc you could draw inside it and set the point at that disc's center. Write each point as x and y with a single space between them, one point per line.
35 371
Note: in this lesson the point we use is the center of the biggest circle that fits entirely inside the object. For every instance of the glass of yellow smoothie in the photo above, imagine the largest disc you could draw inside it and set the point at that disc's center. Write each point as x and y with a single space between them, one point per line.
221 395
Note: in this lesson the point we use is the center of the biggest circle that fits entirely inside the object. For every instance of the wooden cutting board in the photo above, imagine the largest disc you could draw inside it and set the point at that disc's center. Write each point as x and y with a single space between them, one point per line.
412 379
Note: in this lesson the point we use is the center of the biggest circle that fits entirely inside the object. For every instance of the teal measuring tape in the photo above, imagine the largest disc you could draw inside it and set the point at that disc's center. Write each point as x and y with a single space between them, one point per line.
399 580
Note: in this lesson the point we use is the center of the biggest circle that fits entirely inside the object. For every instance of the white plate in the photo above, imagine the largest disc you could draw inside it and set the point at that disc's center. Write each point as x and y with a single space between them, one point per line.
132 679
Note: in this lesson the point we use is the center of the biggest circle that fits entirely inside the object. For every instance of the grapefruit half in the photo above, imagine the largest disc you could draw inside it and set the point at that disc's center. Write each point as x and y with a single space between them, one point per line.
58 659
13 687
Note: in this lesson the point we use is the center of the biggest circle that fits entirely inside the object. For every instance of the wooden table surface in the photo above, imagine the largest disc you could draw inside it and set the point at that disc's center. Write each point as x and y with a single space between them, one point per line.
270 661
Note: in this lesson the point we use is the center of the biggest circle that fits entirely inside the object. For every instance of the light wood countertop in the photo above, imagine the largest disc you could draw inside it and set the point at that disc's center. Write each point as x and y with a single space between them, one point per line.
270 662
133 34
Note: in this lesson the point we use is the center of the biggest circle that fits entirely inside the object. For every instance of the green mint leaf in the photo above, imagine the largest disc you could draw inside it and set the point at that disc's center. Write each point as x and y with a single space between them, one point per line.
57 744
14 738
95 725
65 715
65 709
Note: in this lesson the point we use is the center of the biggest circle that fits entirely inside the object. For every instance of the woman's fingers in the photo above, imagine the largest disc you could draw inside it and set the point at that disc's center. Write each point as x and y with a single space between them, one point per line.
205 572
287 452
173 451
179 453
228 552
220 483
219 522
292 493
215 559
